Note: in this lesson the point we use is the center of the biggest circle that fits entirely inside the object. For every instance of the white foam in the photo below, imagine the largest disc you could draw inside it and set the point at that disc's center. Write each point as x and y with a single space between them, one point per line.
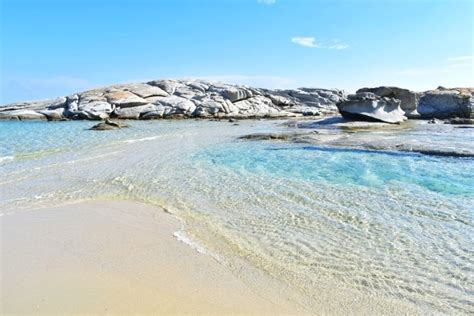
6 158
144 139
184 238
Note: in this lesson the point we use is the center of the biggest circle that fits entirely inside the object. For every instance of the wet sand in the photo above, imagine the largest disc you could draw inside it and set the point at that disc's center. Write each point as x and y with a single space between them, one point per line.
116 258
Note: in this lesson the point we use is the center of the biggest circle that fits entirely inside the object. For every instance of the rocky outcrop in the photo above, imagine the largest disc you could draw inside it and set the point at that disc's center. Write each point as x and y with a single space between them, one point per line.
337 132
409 99
178 98
460 121
367 106
447 103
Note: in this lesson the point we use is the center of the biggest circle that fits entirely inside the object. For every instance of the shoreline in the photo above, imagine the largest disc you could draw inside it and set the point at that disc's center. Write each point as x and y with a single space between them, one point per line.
104 257
109 257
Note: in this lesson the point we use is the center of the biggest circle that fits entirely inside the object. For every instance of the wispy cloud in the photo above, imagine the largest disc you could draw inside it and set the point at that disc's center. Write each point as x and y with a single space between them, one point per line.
305 41
267 1
312 43
337 44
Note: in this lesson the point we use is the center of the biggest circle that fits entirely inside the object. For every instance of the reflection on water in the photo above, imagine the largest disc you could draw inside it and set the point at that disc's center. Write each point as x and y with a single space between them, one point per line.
396 225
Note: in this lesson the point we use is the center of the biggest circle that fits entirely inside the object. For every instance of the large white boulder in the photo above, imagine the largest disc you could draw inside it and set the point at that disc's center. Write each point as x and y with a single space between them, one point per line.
447 103
367 106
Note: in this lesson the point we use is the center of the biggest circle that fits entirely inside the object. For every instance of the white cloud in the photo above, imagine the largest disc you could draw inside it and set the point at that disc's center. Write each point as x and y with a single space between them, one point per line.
311 42
337 44
305 41
267 1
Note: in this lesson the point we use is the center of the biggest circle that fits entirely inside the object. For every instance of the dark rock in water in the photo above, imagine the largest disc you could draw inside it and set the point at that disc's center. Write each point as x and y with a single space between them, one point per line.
447 103
108 125
434 121
460 121
366 106
232 120
266 136
409 99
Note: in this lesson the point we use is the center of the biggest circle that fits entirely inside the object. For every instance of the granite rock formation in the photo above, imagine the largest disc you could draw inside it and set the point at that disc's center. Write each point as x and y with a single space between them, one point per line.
367 106
409 99
447 103
175 99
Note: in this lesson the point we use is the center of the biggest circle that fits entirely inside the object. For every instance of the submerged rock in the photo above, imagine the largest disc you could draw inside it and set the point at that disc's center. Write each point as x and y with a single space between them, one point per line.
266 136
338 133
108 125
367 106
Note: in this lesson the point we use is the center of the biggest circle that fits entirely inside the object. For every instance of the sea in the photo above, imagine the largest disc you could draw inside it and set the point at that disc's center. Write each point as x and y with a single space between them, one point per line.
385 224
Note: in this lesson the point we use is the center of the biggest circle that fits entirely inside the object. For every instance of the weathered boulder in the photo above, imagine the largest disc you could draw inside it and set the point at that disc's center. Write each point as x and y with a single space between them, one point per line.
89 105
231 93
307 101
36 105
22 115
447 103
142 90
409 99
367 106
177 105
53 114
133 113
256 106
124 98
167 85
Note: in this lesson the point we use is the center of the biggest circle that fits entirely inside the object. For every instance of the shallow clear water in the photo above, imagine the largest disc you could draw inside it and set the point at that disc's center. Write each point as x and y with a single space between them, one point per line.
390 225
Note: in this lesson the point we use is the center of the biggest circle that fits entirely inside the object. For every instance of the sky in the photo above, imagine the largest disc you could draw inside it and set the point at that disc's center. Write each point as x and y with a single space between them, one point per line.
51 48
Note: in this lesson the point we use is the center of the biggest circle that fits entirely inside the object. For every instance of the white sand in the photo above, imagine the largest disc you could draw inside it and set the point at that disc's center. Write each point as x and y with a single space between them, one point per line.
121 257
116 258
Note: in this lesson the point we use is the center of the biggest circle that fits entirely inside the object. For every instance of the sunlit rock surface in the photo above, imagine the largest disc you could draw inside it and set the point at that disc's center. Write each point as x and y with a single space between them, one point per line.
178 98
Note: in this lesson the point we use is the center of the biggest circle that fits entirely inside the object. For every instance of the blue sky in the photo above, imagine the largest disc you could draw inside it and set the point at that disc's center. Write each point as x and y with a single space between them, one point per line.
51 47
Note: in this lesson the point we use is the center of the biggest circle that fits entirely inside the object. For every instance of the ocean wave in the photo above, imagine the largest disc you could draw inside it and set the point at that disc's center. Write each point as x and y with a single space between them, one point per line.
6 158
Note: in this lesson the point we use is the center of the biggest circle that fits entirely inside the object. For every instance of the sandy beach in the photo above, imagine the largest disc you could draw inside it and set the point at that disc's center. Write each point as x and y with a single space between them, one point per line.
116 258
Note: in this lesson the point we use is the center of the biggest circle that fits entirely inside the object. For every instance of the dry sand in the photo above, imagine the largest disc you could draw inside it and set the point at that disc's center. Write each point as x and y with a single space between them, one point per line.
116 258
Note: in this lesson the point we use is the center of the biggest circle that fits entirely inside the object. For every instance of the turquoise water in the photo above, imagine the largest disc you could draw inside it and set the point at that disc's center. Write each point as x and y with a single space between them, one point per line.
321 219
447 176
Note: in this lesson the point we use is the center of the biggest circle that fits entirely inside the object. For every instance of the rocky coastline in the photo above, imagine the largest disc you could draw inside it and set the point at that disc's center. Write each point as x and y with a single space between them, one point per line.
175 99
